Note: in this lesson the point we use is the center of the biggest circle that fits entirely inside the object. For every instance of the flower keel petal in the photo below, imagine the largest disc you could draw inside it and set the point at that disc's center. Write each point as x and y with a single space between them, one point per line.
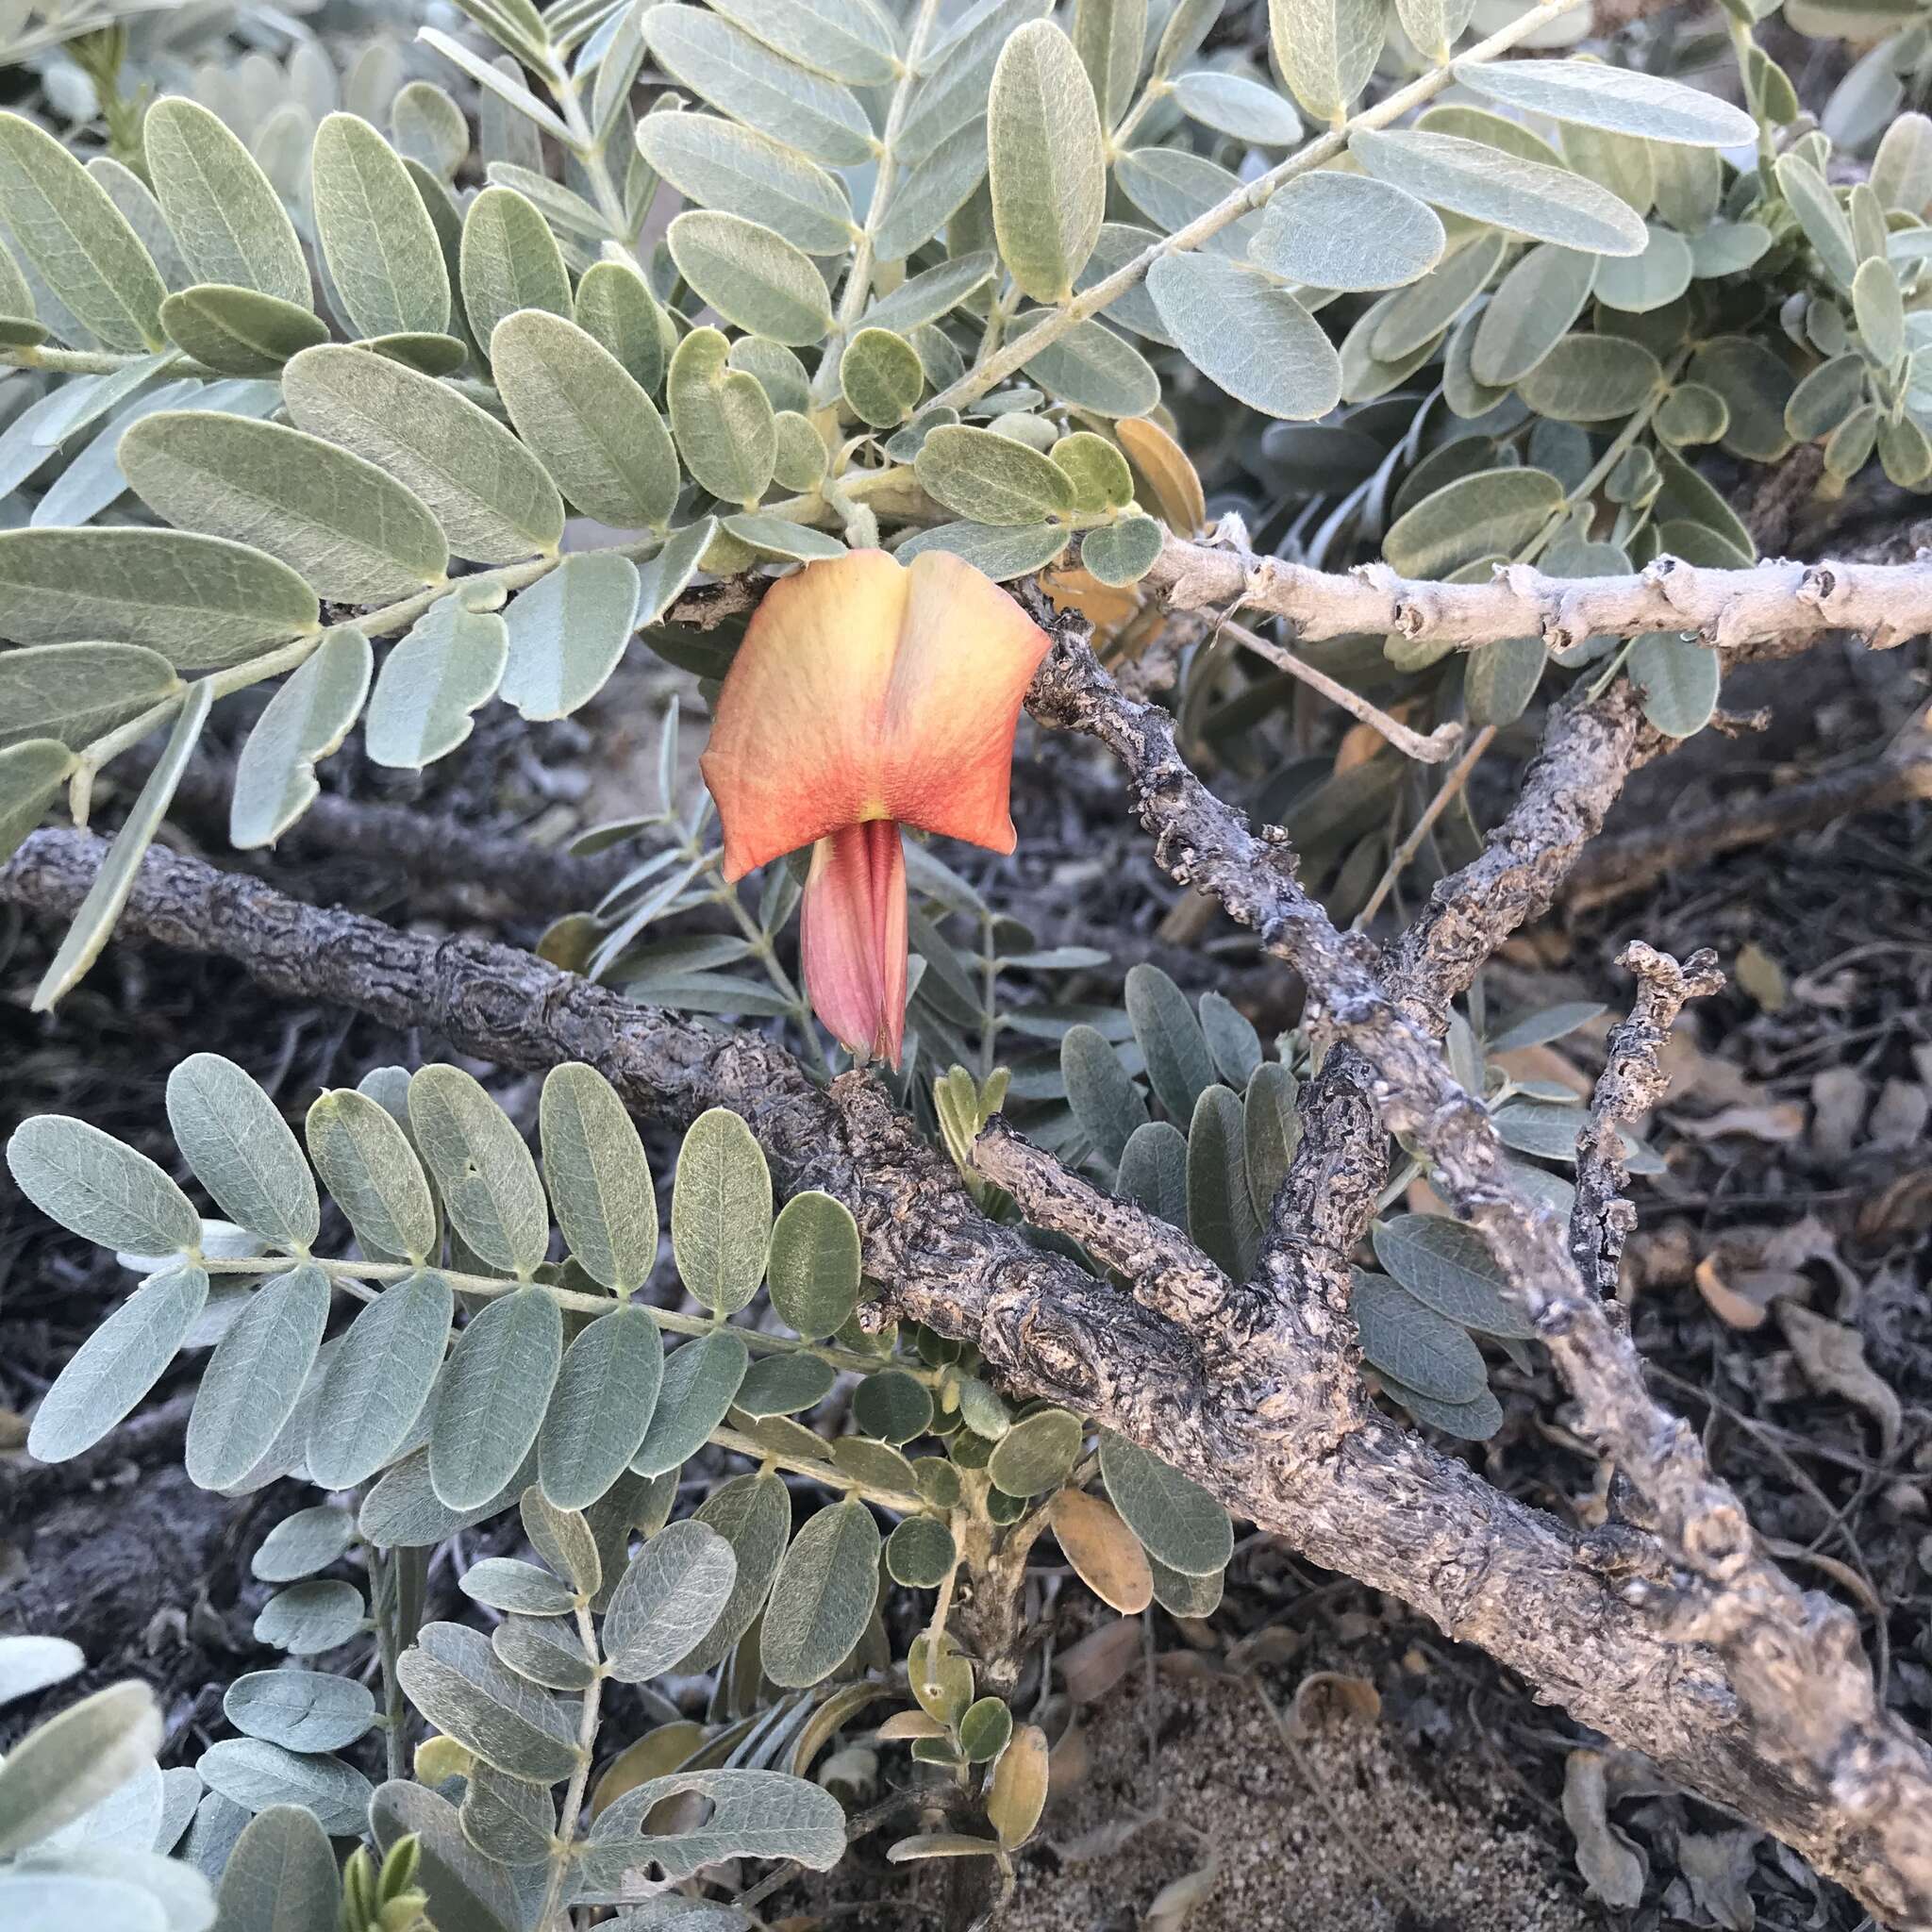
852 938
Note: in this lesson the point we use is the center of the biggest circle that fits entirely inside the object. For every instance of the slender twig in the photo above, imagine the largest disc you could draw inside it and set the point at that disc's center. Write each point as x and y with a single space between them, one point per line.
1450 789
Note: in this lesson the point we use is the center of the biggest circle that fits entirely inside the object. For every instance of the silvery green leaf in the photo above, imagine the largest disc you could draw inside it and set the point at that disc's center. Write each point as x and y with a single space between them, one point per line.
257 1776
957 74
403 1510
718 164
1123 552
1172 188
1679 678
1001 553
432 681
483 1169
1231 1039
753 1514
720 1212
568 633
136 201
488 1402
932 192
255 1376
281 1876
1637 284
1327 49
1470 1421
1495 511
62 222
1332 230
1621 100
1179 1066
376 236
1591 378
369 1167
544 1650
1817 406
1879 310
493 499
1624 164
61 1900
117 1364
587 418
510 261
1471 178
1449 1267
505 1584
722 419
1221 1216
990 478
75 693
814 1265
601 1407
1232 104
80 946
239 331
822 1597
927 296
303 1544
755 1814
200 601
614 305
1530 311
881 377
497 79
62 1768
1153 1172
241 1150
1092 368
467 1892
1046 161
29 1664
306 719
672 1593
378 1381
742 77
844 41
1274 1131
225 217
427 126
1418 1347
512 1823
775 536
126 1821
300 1710
1176 1519
1755 386
1434 26
751 275
1500 678
779 371
1105 1102
1252 338
699 1381
664 578
31 776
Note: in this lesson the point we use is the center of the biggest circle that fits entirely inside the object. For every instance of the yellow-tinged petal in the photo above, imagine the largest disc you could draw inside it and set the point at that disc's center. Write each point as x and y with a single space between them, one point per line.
866 689
852 938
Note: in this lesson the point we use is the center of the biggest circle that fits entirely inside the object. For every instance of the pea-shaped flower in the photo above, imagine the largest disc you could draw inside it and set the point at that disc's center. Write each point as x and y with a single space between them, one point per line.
869 694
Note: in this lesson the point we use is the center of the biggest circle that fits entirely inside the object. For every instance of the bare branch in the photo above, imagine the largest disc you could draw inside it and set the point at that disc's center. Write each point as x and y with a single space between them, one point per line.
1773 609
1631 1084
1795 1656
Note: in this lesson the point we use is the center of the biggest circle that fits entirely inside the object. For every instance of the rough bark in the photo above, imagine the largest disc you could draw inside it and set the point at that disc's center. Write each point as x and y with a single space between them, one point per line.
1251 1389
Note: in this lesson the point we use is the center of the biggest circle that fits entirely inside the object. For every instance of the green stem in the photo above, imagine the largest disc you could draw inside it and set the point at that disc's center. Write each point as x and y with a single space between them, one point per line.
1744 44
352 1275
858 277
828 1473
994 370
554 1914
395 1711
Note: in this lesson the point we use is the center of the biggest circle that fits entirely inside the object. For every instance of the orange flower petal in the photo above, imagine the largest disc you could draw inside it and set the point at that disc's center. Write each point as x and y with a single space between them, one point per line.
852 938
867 690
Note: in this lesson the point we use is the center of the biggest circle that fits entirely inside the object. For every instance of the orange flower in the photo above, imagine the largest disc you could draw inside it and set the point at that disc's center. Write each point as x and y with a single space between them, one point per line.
869 694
